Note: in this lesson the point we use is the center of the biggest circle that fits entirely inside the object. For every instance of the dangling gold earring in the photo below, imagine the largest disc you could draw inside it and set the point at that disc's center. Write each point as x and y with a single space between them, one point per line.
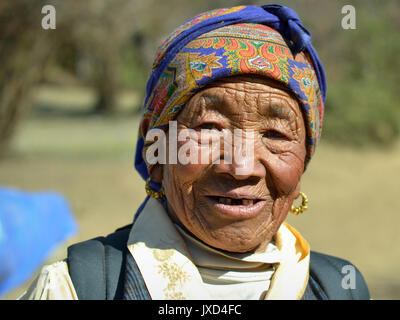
152 193
303 207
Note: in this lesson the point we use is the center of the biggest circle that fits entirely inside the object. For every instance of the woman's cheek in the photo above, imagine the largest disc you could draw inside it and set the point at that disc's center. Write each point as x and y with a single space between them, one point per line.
286 174
179 190
189 159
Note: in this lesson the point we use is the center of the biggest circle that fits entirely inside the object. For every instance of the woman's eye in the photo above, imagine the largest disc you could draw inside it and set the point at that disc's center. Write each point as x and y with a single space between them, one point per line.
275 135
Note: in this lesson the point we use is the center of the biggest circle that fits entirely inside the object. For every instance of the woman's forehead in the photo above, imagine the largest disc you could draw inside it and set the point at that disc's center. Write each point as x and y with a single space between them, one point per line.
263 96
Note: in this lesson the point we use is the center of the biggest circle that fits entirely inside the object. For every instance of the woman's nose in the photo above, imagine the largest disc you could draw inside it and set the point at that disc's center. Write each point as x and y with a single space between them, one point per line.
241 161
242 171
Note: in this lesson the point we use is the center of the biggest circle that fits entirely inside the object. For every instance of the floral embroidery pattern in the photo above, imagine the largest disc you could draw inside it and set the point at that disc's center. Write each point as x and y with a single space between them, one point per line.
175 274
202 65
305 77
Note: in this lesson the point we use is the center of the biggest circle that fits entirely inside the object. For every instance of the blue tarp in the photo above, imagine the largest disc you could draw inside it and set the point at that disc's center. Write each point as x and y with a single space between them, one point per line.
31 226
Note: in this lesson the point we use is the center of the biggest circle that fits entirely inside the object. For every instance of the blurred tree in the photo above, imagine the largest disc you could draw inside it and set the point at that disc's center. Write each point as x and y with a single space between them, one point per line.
363 105
98 32
24 50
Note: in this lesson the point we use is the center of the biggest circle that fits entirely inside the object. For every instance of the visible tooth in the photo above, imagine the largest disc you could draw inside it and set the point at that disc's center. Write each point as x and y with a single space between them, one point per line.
247 202
227 201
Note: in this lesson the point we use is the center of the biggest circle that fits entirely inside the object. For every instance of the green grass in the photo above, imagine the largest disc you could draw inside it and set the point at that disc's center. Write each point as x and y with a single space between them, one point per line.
89 137
353 193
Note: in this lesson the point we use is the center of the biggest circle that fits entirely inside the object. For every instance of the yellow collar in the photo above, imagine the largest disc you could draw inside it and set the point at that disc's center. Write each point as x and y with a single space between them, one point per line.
291 277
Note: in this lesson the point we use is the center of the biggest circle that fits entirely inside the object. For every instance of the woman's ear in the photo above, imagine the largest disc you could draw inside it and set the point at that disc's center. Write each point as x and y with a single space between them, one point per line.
157 173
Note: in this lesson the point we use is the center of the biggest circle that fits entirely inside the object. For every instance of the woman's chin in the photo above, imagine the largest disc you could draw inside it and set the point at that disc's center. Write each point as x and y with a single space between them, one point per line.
235 242
233 232
236 248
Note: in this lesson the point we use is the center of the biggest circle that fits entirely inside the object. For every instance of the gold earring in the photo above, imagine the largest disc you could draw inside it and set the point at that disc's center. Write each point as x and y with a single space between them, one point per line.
151 192
303 207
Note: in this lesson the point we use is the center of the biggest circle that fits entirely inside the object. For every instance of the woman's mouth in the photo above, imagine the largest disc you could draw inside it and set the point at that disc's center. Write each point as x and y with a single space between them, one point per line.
236 202
238 207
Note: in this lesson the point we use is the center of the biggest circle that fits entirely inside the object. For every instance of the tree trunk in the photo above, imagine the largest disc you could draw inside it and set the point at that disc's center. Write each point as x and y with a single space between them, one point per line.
24 53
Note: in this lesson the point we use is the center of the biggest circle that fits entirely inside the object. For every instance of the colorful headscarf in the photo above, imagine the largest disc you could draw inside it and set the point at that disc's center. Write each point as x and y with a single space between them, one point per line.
268 41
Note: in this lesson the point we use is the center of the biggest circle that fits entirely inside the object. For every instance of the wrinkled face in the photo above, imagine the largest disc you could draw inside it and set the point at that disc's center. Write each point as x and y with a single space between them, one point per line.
230 209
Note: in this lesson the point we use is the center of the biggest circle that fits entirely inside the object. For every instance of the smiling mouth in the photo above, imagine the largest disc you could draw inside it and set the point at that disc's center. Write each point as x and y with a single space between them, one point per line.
239 207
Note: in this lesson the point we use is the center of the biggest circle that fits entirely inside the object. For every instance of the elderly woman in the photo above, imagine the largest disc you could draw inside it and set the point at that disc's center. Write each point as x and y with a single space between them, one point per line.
214 229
